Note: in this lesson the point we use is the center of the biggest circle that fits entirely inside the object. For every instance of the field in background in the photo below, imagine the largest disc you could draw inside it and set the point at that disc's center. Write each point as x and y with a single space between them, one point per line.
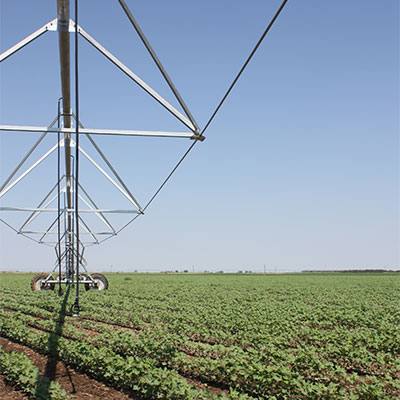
184 336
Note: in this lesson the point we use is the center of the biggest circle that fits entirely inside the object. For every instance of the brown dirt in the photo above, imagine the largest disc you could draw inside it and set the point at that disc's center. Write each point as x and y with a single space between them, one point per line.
204 386
8 392
78 385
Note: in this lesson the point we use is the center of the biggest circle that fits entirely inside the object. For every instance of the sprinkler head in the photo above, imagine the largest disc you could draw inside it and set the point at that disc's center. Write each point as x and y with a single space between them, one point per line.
75 309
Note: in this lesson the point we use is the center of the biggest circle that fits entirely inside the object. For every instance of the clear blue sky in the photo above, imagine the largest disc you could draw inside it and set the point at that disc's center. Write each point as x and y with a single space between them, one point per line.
300 169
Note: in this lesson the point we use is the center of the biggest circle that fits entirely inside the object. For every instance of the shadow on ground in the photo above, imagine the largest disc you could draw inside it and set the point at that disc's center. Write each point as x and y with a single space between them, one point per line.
49 375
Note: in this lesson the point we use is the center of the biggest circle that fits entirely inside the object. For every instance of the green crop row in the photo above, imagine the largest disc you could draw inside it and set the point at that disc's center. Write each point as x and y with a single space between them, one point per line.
137 375
272 336
19 370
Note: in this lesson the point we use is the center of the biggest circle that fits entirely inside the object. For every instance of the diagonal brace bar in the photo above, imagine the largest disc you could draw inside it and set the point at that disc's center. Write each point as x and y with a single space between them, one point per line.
158 63
27 155
36 213
33 166
131 199
97 148
51 26
136 79
95 207
98 214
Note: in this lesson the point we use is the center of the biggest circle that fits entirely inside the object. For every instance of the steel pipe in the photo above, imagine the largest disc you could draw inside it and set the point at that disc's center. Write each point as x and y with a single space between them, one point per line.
65 70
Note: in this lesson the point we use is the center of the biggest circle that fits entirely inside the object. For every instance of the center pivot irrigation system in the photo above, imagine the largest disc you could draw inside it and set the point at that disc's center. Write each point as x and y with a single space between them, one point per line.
69 232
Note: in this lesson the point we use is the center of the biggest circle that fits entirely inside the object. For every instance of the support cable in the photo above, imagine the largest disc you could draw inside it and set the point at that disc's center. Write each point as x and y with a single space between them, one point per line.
76 304
220 103
213 114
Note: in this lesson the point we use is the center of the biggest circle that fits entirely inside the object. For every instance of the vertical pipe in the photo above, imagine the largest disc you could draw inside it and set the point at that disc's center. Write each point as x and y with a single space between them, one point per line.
59 198
76 305
64 49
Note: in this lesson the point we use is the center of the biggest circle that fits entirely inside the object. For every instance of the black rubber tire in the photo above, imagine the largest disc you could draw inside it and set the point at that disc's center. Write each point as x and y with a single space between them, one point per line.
36 282
101 280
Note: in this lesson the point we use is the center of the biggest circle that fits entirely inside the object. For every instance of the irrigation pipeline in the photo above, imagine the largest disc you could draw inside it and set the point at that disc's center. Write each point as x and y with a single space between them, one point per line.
76 304
271 23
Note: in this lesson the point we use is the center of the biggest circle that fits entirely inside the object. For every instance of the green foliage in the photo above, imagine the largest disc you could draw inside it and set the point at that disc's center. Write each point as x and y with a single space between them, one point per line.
252 336
19 370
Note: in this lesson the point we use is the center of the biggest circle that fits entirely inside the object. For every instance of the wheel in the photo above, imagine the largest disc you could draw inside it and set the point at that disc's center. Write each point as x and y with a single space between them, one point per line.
101 280
37 280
